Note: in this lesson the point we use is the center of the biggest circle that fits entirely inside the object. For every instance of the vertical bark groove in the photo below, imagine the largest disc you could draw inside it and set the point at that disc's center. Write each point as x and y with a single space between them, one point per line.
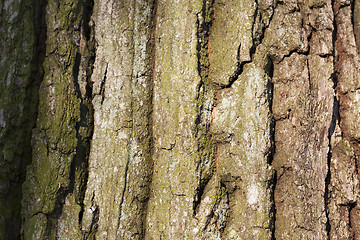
356 22
152 61
69 147
22 34
346 143
205 102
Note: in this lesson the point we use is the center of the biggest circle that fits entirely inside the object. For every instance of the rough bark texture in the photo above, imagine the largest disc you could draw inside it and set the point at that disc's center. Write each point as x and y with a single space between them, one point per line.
164 119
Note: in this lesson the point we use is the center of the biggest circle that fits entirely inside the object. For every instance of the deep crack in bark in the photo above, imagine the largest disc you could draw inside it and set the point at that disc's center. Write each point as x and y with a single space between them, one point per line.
205 102
83 65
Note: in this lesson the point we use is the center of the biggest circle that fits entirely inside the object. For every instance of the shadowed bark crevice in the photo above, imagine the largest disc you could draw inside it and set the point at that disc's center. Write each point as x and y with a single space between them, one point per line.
87 110
258 28
91 233
81 71
151 56
205 103
343 195
30 104
102 85
334 121
355 18
272 149
272 213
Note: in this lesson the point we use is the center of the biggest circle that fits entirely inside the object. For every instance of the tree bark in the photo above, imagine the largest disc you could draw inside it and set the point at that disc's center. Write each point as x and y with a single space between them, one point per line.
164 119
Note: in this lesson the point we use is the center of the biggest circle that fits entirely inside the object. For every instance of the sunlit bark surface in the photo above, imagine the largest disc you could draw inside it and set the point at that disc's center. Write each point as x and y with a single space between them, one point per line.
164 119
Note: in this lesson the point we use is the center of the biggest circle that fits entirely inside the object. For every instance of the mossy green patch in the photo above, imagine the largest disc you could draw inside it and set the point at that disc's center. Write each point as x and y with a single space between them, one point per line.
55 136
35 227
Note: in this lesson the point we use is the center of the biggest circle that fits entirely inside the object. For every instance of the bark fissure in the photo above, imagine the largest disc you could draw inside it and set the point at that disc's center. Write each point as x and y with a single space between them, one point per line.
205 102
22 55
334 121
87 118
91 233
152 62
32 99
125 184
138 168
355 7
272 149
328 174
65 137
272 186
82 71
258 29
102 86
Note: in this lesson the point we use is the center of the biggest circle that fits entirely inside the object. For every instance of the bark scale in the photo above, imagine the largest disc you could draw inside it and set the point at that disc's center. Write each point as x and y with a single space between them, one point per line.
160 119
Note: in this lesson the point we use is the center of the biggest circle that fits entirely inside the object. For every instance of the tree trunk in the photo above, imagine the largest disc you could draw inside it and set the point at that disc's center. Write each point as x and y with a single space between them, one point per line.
163 119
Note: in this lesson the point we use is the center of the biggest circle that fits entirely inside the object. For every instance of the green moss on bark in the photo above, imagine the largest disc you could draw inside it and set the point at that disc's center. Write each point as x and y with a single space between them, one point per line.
54 139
